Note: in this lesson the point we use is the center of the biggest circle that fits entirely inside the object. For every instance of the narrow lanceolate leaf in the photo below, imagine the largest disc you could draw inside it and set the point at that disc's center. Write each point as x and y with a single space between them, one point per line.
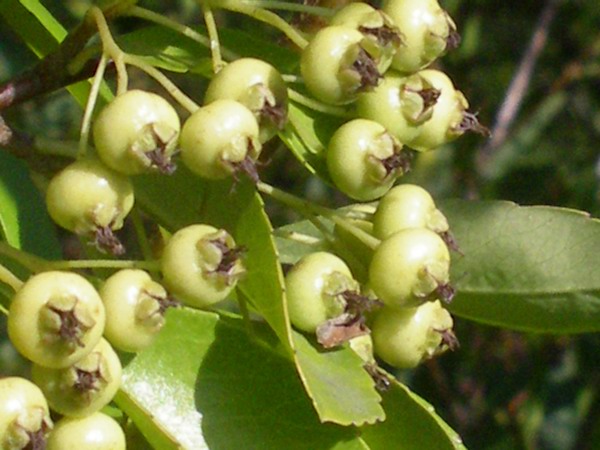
526 268
34 24
38 28
206 384
24 223
411 424
341 390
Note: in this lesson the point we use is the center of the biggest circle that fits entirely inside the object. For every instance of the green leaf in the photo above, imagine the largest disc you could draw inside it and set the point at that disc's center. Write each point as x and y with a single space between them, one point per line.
261 46
34 24
241 211
307 135
263 283
342 391
411 424
164 48
298 239
206 384
191 198
527 268
170 50
24 223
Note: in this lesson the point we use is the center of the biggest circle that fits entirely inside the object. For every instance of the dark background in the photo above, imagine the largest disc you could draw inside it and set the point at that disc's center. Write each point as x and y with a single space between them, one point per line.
501 389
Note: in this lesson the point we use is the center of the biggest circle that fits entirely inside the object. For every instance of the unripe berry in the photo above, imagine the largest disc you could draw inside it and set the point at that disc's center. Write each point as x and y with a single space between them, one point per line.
24 418
94 432
201 265
405 337
407 206
258 86
315 289
339 62
137 132
400 103
135 307
220 139
364 160
375 25
427 29
56 318
449 112
84 387
88 198
410 267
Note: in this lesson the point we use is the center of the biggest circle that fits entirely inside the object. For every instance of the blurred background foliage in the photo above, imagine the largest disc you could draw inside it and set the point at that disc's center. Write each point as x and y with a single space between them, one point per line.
501 389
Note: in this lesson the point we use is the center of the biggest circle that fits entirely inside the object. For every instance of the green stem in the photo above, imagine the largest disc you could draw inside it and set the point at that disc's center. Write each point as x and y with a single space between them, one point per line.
245 311
358 268
31 262
102 264
9 278
111 49
300 238
3 309
89 107
186 31
213 34
308 208
163 80
142 236
272 19
37 264
315 105
287 6
289 78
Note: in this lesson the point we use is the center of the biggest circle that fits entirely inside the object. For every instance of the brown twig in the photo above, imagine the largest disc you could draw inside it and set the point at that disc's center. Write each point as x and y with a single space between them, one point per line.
519 85
52 72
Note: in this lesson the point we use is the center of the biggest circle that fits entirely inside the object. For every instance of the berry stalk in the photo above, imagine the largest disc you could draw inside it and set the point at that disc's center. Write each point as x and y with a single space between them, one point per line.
7 277
289 6
307 208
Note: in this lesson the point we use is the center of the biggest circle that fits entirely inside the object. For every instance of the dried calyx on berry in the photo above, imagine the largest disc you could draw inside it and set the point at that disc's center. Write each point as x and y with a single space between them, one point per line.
221 140
405 337
56 318
84 387
90 199
364 160
136 133
24 417
201 265
258 86
340 62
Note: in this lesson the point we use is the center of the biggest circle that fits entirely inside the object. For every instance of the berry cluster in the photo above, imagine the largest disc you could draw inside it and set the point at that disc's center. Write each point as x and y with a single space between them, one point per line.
57 320
408 275
377 60
374 59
